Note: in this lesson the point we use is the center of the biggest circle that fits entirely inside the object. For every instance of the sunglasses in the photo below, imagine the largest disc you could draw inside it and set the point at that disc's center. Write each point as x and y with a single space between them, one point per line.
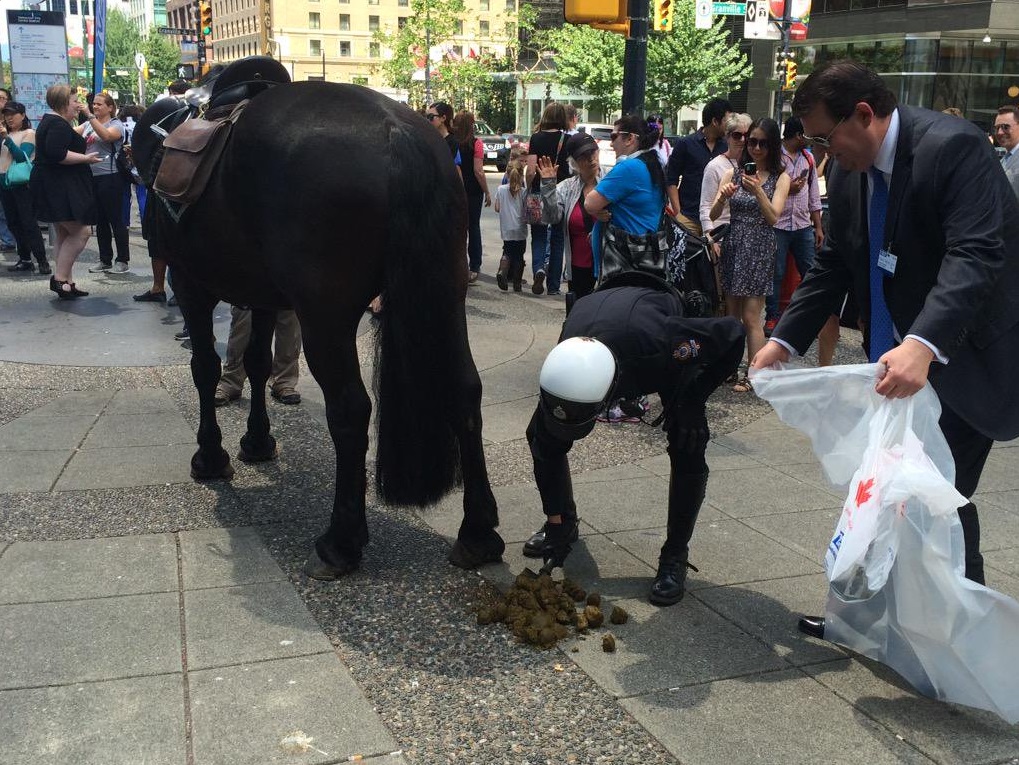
736 135
431 117
757 143
1005 128
614 136
825 142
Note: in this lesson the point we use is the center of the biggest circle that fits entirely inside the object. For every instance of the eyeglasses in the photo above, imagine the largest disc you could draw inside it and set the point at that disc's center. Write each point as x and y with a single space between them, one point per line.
1006 128
757 143
614 136
825 142
736 135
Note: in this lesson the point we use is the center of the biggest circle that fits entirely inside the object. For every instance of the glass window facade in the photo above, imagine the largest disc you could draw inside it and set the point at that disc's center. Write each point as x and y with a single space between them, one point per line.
971 75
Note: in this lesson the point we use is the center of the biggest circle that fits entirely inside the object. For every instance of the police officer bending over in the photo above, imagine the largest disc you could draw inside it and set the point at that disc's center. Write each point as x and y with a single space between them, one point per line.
625 342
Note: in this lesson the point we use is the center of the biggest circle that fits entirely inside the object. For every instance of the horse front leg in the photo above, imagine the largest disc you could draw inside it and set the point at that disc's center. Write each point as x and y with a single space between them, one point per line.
477 542
258 444
331 353
210 462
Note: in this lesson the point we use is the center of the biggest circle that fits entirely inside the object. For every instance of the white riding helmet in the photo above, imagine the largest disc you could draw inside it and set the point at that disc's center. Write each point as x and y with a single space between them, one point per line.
576 380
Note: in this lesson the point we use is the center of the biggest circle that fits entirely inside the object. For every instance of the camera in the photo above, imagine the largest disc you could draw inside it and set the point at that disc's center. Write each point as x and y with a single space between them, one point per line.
750 168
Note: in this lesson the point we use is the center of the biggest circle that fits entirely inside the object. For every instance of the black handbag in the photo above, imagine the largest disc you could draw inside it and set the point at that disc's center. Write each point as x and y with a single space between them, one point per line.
658 253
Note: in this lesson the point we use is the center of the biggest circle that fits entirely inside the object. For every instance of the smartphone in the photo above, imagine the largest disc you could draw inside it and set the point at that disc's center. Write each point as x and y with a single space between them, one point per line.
750 168
804 174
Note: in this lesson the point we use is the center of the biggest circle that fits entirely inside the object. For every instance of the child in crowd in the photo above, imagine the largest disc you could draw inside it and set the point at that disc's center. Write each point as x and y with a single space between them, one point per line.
509 204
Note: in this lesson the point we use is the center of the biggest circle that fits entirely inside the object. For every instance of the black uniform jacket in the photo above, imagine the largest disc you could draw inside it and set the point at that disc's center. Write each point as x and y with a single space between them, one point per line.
652 342
953 224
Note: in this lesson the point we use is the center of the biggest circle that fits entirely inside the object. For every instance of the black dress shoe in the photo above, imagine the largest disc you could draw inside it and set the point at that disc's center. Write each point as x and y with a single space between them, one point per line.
22 265
535 546
670 582
812 625
44 268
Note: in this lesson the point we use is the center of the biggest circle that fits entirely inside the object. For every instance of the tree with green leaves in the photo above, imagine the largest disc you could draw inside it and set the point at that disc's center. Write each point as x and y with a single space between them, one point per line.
684 66
433 20
162 57
122 42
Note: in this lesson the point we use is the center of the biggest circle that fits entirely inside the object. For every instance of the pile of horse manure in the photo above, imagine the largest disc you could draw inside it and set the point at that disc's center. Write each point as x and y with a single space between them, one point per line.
608 642
541 611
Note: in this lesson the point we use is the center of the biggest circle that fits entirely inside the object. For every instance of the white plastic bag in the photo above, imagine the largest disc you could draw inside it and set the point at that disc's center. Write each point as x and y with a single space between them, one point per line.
896 560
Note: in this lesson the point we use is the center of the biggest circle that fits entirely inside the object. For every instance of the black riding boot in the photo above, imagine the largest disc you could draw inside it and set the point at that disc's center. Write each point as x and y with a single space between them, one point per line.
552 476
686 494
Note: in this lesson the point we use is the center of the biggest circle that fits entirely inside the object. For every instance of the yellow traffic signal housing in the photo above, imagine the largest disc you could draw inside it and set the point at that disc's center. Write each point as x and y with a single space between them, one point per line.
205 18
664 10
790 75
588 11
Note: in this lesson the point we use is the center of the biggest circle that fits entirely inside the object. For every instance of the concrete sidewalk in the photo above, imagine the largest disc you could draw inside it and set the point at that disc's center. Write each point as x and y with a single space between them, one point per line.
148 619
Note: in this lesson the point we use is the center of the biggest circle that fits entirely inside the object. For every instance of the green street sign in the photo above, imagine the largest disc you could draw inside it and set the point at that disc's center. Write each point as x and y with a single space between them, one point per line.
729 9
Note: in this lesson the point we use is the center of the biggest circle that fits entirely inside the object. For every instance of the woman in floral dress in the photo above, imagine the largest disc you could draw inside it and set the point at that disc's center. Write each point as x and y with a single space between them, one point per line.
755 201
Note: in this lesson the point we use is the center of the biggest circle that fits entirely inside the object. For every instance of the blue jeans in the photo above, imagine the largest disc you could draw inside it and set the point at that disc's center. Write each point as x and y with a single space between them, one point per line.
801 242
547 253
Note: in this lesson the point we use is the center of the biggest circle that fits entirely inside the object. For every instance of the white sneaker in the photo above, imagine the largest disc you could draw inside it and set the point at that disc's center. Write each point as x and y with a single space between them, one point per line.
120 267
100 268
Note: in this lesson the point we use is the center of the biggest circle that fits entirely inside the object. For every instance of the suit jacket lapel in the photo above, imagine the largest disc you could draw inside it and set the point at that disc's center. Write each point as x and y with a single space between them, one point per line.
902 171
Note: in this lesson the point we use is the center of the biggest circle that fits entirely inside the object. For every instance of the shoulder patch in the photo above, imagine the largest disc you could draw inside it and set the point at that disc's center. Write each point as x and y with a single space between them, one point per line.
686 350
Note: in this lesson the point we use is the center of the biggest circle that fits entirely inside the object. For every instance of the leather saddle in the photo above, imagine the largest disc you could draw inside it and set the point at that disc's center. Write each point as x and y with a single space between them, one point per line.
192 150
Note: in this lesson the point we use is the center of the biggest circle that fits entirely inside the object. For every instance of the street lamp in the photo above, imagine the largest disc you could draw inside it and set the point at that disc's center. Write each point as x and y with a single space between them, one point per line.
547 59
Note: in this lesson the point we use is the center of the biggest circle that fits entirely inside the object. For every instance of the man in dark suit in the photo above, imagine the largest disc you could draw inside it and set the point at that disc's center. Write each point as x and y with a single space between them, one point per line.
925 229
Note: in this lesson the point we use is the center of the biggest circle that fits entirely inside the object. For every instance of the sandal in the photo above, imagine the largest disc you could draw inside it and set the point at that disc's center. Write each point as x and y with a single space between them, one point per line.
743 386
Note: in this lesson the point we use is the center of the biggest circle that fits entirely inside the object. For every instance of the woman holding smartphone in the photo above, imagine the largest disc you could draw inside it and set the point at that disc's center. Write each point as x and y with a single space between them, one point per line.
755 194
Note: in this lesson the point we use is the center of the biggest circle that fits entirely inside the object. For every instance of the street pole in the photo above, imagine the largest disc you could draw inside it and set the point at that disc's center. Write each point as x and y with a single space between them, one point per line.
428 54
635 58
785 24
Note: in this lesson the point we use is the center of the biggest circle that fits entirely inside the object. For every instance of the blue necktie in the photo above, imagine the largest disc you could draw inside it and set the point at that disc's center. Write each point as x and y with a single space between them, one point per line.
882 337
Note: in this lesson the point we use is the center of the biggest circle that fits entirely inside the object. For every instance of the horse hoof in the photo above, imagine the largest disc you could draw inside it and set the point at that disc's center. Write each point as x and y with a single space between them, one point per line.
316 568
202 472
473 554
246 454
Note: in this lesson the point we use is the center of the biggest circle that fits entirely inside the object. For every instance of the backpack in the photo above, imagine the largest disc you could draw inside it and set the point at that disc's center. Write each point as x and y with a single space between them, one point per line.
122 161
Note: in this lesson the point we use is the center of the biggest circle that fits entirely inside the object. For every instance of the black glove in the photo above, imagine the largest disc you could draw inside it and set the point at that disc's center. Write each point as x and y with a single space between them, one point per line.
687 426
557 543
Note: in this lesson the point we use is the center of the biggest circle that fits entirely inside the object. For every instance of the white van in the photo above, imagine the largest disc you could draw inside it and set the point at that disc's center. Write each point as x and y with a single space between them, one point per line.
600 133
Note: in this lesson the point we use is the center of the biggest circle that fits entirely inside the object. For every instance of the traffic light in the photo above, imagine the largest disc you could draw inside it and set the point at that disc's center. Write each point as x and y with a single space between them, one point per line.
205 18
588 11
663 15
619 22
790 75
780 61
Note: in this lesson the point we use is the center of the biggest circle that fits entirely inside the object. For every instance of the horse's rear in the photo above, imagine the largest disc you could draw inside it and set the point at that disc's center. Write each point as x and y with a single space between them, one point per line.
327 196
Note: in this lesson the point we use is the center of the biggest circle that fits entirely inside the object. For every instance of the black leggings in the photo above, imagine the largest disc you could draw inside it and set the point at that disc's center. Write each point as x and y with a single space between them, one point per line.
21 220
110 217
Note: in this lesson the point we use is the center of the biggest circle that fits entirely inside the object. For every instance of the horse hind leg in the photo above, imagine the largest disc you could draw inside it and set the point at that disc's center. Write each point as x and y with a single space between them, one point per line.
331 353
257 444
477 543
210 462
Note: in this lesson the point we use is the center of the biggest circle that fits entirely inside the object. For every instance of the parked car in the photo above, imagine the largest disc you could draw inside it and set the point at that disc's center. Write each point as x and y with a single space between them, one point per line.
497 147
600 133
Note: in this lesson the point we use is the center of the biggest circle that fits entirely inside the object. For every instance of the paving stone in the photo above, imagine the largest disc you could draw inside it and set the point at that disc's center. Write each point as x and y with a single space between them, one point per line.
141 401
635 503
520 512
774 447
503 421
242 714
1005 560
82 640
31 471
780 717
88 568
626 471
729 552
807 532
124 467
226 557
45 433
770 610
762 491
75 403
701 646
999 473
149 429
811 473
119 722
718 458
249 623
948 733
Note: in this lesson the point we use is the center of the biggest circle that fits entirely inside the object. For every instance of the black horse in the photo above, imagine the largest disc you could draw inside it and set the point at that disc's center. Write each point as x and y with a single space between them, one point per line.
326 196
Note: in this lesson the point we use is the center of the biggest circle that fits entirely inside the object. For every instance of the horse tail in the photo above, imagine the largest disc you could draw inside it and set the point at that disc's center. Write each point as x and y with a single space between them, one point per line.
419 350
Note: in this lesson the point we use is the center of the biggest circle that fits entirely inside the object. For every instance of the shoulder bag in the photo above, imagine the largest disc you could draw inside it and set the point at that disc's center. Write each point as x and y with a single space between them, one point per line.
532 205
